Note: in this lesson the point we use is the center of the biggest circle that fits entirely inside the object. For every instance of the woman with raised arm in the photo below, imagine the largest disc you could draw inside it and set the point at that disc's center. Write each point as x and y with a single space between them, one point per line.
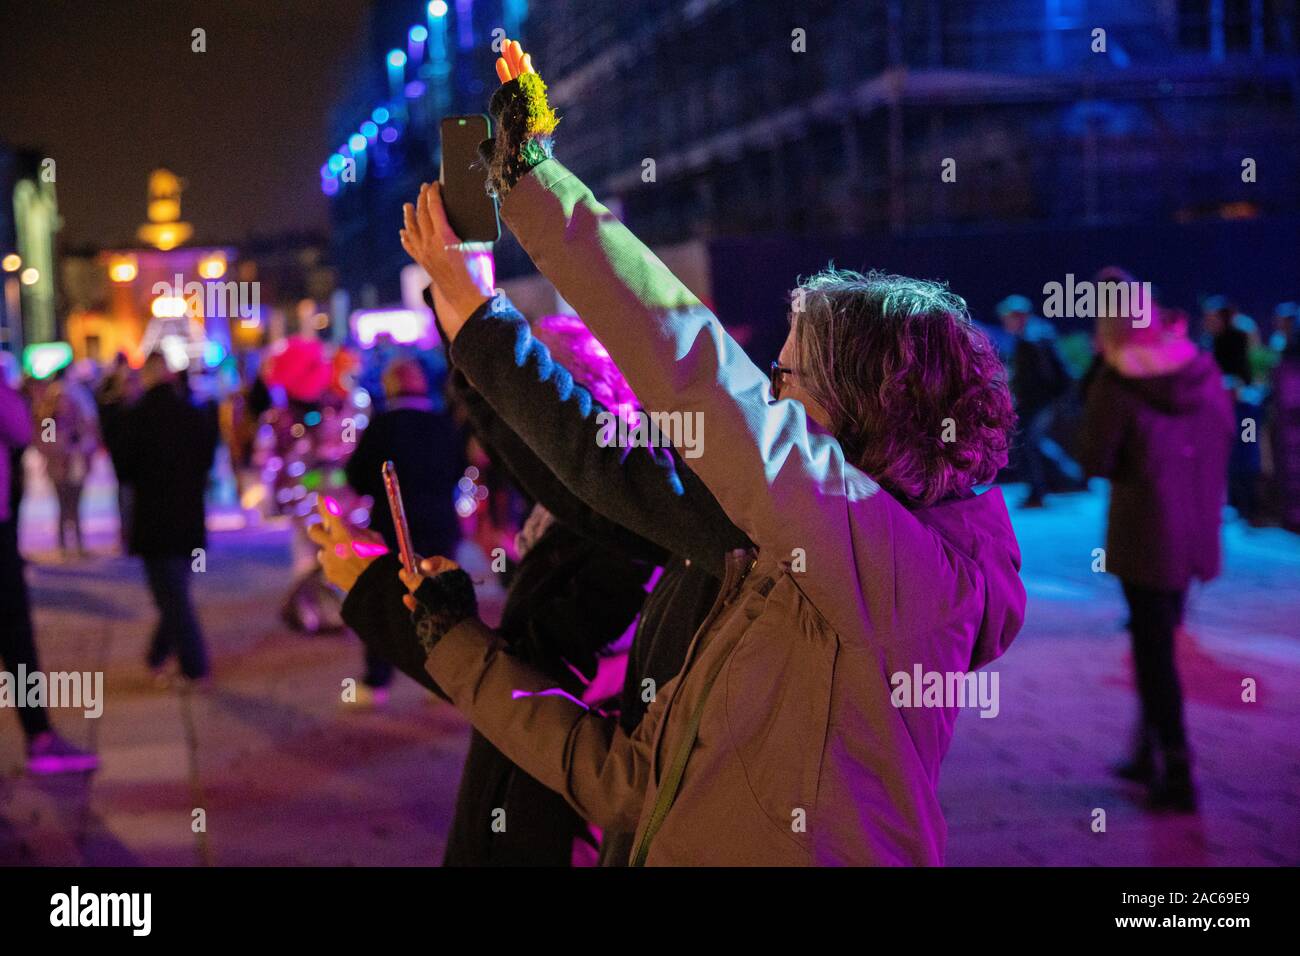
787 737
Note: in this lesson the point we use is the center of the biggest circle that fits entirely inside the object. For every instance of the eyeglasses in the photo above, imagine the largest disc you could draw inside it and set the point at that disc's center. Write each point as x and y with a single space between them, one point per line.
776 376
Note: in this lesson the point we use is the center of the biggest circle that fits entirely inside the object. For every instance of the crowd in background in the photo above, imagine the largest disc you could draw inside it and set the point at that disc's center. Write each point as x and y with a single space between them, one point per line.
303 420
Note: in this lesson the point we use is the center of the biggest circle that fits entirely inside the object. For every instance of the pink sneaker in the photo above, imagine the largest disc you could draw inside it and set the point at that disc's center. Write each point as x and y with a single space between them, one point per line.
48 753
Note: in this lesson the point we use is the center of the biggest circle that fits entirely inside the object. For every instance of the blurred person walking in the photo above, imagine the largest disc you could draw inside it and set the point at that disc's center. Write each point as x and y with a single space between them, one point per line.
1158 424
1231 337
69 438
424 445
117 390
166 447
1038 378
47 752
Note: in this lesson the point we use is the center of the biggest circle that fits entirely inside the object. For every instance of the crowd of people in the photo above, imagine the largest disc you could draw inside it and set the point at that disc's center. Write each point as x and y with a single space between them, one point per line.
842 525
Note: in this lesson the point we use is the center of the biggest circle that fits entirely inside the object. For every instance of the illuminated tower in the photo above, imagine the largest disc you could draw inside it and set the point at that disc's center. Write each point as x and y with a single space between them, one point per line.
164 230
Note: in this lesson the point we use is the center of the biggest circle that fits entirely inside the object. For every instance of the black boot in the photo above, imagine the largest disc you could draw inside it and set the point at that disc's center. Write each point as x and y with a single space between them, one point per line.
1172 789
1141 766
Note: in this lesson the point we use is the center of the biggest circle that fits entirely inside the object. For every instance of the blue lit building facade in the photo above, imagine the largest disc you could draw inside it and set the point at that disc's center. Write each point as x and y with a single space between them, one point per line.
784 134
424 60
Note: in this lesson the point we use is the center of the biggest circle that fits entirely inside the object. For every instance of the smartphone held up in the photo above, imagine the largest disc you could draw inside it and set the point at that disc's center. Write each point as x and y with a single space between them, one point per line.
471 211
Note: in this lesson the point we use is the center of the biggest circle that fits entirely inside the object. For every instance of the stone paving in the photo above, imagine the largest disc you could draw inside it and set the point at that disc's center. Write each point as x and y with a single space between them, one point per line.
285 775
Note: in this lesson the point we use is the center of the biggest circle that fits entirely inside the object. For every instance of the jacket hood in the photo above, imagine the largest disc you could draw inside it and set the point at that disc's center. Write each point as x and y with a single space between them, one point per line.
1170 383
980 528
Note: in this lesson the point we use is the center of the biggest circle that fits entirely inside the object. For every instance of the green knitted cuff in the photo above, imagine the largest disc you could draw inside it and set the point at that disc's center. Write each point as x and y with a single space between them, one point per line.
525 125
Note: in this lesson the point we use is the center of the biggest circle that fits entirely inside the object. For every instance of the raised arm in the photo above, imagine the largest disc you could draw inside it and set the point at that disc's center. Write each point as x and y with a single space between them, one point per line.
641 489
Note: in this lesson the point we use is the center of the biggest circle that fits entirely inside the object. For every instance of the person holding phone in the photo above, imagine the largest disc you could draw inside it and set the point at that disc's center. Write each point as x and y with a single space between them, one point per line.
426 448
852 470
576 588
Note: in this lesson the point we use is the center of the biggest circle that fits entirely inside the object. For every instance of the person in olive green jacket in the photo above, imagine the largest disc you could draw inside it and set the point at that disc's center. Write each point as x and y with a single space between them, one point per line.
784 740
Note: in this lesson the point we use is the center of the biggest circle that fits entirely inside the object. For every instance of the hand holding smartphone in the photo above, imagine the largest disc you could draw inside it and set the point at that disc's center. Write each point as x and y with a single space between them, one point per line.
394 491
471 212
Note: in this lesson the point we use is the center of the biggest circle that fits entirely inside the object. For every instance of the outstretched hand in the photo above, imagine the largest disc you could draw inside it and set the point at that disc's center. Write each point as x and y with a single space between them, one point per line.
463 273
513 61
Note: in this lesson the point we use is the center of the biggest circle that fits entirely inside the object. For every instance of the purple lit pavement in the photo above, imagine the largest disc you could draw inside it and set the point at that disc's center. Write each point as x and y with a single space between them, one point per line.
285 775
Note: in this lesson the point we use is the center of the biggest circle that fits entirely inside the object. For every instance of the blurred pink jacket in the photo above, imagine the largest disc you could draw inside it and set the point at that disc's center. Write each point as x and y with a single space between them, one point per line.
15 432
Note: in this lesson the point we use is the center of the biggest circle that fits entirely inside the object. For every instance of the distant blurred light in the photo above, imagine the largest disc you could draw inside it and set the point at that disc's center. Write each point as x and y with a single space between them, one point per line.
345 150
213 266
437 9
45 358
30 276
361 398
176 351
330 187
414 90
213 353
396 59
168 307
123 268
406 326
296 469
336 164
381 114
12 262
311 419
360 516
389 135
369 130
357 142
418 34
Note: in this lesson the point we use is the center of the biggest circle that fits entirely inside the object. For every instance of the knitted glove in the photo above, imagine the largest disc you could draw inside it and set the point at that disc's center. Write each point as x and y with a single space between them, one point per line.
443 601
525 124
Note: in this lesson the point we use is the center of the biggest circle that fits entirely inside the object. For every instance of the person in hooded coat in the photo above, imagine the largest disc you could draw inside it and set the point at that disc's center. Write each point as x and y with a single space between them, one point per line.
1158 422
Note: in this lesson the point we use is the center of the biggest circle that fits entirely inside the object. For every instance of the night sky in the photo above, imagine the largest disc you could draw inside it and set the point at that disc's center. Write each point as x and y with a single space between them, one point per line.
110 89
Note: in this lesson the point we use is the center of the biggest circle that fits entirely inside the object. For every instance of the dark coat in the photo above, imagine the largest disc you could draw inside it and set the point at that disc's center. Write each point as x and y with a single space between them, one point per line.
641 501
1163 441
569 598
650 508
1038 376
427 450
164 450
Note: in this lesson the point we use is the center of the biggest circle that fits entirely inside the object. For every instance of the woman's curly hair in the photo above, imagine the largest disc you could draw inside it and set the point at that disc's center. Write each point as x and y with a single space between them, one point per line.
916 393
